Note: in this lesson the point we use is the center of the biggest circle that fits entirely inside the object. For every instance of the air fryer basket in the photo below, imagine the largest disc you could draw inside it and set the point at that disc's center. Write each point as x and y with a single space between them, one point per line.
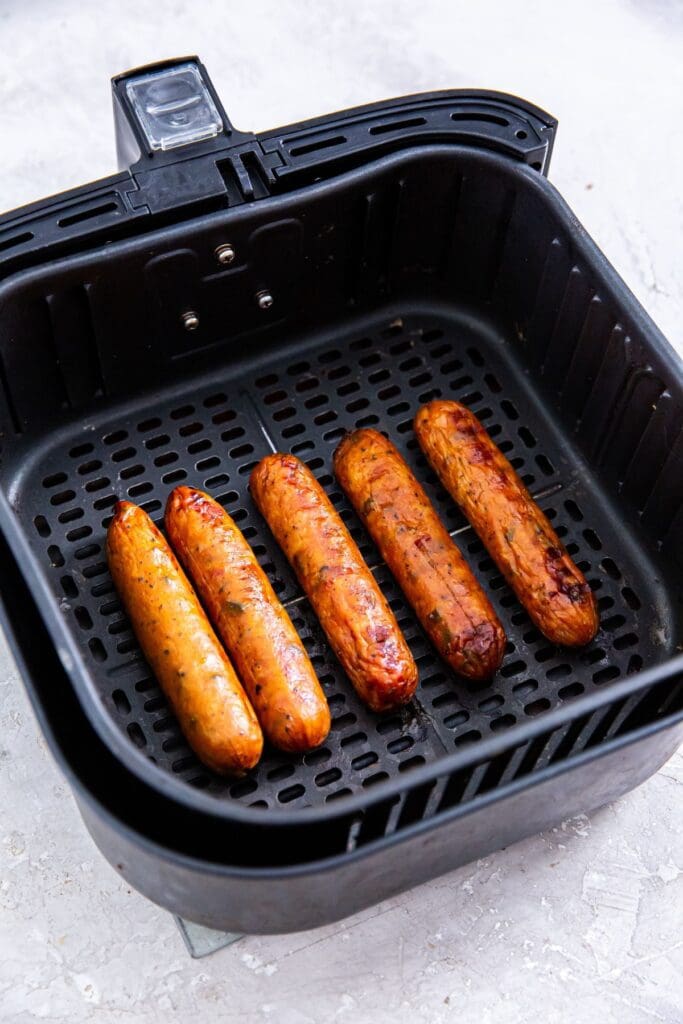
428 258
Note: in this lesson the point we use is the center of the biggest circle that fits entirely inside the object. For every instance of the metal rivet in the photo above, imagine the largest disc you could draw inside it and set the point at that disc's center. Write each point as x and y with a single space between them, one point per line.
264 299
190 321
225 254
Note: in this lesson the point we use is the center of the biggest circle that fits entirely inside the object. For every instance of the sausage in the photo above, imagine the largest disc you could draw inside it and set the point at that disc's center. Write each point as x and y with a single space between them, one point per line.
351 608
412 540
258 634
516 533
176 637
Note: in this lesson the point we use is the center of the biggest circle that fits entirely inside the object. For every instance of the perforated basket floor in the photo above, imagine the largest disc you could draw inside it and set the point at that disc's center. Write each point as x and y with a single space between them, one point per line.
213 433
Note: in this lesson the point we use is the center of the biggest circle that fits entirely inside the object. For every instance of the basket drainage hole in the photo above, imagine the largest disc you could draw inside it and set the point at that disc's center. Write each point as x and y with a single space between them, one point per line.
199 781
184 410
121 702
631 599
80 450
445 700
363 761
605 675
471 736
613 623
123 453
55 555
97 649
328 777
283 772
42 526
115 437
62 497
537 707
504 722
216 399
491 703
570 691
573 510
157 442
545 465
285 796
513 669
355 740
397 746
151 424
227 416
595 543
243 788
68 586
372 780
559 672
345 791
83 617
456 719
610 567
136 734
54 480
318 756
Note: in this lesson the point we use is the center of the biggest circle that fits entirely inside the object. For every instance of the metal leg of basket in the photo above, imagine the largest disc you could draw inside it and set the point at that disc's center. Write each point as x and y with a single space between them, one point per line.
202 941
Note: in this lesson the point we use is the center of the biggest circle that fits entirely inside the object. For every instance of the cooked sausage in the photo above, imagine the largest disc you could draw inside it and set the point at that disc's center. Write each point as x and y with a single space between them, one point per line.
412 540
516 533
258 634
351 608
177 639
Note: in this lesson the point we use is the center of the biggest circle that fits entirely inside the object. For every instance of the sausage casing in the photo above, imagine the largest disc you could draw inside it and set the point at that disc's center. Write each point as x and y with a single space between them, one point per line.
351 608
515 531
181 647
435 578
270 659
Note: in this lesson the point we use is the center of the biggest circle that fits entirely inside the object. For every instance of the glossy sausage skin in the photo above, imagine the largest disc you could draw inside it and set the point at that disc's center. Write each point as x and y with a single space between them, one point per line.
516 533
258 634
351 608
181 647
412 540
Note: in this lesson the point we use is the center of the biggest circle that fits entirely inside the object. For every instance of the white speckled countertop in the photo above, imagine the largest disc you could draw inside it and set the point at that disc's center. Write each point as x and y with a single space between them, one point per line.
582 923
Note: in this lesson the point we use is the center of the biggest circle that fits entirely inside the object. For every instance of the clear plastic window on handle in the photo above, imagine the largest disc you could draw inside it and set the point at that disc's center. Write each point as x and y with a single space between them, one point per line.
174 107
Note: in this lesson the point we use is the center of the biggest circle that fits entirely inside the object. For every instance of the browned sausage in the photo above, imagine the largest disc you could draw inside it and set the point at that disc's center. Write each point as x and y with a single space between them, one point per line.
416 546
177 639
350 606
516 533
258 634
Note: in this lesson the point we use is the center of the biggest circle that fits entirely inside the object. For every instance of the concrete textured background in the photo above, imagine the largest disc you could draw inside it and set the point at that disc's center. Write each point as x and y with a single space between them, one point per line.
582 923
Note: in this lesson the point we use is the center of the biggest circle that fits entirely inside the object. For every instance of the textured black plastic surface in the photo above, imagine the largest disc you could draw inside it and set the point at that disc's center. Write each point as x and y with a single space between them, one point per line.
310 895
238 167
445 269
212 435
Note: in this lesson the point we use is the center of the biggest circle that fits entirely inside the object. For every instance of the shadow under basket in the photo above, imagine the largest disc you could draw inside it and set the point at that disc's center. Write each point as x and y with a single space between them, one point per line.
440 267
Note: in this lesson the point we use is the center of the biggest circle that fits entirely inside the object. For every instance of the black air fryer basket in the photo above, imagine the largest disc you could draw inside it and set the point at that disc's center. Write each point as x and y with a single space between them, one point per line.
227 295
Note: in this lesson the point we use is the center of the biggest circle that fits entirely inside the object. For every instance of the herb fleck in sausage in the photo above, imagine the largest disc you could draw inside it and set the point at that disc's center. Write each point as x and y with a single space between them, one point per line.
351 608
258 634
437 582
515 531
182 649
